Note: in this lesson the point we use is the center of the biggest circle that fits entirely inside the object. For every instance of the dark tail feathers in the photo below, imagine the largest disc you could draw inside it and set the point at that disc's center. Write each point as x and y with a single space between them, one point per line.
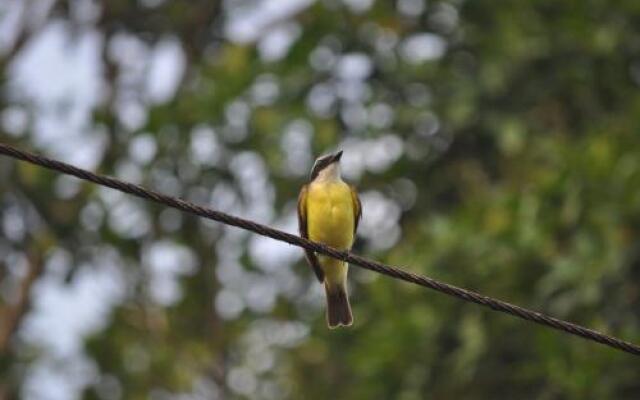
338 308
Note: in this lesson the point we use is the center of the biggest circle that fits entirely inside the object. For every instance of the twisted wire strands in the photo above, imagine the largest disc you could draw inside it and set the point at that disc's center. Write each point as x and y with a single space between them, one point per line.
393 272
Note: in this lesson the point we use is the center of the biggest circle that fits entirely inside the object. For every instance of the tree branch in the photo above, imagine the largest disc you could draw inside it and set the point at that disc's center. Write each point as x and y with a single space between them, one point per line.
12 314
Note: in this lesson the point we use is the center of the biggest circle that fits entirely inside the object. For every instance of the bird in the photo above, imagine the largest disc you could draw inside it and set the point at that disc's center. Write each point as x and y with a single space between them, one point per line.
329 211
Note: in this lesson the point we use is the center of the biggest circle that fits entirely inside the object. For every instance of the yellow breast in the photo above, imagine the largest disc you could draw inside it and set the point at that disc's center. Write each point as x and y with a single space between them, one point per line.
330 218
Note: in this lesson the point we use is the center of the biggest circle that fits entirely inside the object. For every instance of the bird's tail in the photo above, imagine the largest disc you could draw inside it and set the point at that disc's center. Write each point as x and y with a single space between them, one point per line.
338 308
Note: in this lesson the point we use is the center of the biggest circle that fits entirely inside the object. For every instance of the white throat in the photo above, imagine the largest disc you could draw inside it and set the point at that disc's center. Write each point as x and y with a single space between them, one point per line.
330 173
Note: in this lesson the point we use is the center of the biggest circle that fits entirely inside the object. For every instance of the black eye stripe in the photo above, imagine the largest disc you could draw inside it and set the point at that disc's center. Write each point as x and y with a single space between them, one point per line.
319 165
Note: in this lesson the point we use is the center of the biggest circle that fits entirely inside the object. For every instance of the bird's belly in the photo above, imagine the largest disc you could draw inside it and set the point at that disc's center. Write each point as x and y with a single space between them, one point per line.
330 218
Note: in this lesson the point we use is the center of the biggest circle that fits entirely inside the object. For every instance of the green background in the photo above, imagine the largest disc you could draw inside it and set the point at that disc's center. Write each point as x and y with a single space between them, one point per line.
506 161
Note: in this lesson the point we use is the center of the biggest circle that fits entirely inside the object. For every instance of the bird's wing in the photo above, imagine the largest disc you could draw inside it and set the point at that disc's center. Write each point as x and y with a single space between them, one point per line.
357 209
302 226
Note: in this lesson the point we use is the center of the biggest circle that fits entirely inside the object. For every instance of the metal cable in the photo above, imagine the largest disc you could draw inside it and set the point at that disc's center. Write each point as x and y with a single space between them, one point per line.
264 230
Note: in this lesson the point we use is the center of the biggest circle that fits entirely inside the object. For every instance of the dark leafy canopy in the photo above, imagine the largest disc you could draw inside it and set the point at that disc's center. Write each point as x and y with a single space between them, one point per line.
494 144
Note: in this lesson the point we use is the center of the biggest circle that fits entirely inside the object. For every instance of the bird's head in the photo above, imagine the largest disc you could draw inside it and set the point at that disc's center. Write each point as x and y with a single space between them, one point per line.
327 167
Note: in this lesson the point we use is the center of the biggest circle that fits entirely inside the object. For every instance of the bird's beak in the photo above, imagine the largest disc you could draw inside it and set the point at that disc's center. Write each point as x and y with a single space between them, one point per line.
336 157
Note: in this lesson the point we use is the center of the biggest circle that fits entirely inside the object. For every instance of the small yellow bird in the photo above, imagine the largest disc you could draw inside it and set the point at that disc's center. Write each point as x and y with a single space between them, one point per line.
328 212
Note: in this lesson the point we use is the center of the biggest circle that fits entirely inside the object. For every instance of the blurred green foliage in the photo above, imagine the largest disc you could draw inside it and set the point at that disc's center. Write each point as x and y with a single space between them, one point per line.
517 175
